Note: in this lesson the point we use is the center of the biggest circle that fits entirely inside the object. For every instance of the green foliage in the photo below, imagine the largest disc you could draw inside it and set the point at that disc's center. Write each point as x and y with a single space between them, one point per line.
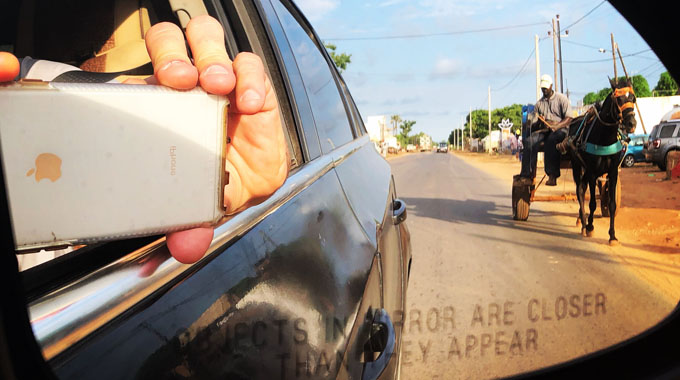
640 86
406 126
666 85
480 120
341 59
451 137
590 98
395 119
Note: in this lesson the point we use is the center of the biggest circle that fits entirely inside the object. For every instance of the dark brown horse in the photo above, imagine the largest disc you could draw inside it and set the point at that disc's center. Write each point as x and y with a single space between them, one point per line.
595 143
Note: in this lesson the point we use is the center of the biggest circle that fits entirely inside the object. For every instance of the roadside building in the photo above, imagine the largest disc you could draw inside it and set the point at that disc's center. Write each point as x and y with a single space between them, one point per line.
425 142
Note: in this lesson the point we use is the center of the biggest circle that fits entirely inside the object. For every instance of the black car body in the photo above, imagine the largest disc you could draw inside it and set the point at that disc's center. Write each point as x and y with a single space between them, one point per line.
310 283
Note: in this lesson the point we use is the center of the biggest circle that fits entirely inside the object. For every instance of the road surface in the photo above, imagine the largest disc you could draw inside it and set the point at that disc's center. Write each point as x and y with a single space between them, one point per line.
490 296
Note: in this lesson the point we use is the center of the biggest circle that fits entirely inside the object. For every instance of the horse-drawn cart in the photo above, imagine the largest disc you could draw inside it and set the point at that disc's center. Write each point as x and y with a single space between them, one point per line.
524 193
524 189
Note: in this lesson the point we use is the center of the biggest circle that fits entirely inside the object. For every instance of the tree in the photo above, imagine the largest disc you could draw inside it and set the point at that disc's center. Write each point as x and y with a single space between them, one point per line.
341 59
406 126
395 119
640 86
666 85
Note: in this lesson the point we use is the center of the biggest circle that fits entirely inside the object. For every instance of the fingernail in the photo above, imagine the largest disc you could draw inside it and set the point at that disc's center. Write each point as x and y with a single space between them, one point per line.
250 96
215 69
171 63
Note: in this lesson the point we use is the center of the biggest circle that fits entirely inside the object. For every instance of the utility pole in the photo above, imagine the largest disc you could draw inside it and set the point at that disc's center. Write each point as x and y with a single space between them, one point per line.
538 69
489 139
559 43
470 123
616 78
554 56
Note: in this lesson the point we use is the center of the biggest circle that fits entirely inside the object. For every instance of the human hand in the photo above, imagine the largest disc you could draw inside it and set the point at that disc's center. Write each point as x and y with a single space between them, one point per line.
257 156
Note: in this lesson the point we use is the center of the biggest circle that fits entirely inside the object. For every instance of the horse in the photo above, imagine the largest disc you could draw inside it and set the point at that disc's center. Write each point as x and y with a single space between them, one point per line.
595 143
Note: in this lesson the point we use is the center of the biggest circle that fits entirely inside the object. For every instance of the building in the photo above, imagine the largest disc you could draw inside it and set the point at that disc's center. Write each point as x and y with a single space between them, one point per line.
378 128
425 142
653 109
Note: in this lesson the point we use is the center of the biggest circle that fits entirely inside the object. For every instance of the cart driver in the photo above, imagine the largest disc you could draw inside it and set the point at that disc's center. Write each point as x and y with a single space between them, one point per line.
554 109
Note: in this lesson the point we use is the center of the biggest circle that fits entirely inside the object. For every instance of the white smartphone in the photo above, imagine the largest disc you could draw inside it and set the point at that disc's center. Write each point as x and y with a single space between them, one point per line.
91 162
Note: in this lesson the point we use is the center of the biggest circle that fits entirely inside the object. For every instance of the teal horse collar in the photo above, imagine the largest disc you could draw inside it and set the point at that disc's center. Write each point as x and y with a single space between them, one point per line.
604 150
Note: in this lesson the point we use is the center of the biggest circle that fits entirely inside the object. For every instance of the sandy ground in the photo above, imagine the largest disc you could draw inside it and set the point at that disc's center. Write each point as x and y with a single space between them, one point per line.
647 224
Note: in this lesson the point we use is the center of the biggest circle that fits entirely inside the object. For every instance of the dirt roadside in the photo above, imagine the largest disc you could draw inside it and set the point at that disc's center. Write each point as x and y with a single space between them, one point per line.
647 224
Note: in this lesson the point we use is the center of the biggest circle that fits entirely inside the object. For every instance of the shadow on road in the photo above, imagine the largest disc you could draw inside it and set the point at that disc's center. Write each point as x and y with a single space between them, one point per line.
660 266
452 210
491 214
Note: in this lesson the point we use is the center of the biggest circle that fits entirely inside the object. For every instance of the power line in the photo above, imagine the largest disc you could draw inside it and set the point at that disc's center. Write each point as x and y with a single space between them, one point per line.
519 72
648 67
434 34
584 45
585 15
609 59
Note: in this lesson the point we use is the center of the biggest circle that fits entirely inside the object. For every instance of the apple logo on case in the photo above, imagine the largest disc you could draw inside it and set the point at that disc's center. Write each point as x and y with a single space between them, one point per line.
47 165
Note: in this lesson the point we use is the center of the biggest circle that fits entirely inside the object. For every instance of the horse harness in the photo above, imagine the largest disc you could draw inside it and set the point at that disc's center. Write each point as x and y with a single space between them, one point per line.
601 150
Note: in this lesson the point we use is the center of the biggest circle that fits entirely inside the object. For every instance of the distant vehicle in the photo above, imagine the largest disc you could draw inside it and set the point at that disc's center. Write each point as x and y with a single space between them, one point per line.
443 148
635 152
410 148
664 138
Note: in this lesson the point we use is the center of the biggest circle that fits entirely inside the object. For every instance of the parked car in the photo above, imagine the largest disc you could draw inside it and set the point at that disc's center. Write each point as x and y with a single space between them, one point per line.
443 148
646 151
634 152
410 148
664 138
317 272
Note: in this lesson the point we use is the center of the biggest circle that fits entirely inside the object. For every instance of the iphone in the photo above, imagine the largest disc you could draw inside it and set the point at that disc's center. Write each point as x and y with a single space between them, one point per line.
90 162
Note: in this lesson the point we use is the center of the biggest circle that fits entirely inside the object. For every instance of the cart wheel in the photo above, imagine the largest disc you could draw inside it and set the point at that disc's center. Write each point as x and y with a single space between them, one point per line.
521 195
604 197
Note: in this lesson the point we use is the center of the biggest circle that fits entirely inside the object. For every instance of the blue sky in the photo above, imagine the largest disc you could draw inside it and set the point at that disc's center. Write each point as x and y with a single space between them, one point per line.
437 73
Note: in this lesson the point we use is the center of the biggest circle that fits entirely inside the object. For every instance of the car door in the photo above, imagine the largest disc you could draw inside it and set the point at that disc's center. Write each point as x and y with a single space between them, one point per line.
364 175
282 290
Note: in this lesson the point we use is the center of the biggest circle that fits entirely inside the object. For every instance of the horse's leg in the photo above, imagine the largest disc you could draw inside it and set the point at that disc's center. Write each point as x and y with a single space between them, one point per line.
613 178
577 173
592 205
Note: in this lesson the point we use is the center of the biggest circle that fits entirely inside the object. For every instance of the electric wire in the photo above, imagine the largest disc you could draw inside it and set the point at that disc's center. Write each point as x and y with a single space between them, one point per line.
518 73
584 16
406 36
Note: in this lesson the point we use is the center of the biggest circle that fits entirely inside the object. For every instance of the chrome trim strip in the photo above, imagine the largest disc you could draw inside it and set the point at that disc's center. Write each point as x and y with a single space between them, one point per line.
340 154
67 315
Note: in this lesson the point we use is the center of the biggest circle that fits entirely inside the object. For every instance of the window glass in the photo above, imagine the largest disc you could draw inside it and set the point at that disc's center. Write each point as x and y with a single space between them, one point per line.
327 106
667 131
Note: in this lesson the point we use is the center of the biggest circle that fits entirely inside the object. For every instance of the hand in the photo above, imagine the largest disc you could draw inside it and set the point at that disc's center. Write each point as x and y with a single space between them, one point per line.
257 157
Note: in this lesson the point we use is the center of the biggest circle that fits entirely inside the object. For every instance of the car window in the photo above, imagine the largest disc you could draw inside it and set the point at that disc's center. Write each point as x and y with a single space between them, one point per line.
328 108
666 131
71 39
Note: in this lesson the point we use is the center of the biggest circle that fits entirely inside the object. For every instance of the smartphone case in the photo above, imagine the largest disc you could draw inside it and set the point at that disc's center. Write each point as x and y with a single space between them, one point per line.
90 162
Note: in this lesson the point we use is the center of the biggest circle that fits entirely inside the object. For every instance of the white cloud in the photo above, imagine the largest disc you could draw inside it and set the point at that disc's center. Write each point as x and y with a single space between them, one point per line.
446 67
315 10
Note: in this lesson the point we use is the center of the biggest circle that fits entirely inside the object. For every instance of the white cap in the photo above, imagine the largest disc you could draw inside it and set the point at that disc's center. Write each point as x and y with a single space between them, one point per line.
546 81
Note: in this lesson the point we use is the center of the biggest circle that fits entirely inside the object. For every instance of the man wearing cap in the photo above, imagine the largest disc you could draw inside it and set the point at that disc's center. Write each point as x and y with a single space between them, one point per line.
554 108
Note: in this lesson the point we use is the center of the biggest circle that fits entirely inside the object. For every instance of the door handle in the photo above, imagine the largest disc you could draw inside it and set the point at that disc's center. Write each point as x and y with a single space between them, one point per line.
380 340
398 211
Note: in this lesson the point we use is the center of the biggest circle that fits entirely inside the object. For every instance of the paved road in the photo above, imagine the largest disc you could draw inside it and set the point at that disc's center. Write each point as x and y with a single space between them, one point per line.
490 296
